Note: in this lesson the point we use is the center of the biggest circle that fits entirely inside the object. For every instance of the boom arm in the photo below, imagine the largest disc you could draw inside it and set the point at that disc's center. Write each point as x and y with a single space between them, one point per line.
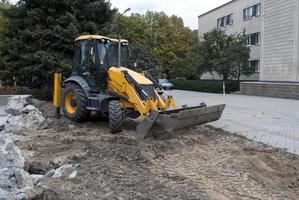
130 85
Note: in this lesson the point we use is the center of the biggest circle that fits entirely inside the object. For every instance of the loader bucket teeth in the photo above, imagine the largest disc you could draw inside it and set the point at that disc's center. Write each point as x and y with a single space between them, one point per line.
173 120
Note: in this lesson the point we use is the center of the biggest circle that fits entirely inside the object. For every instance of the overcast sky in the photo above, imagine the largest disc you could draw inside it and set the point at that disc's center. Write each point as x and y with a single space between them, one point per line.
187 9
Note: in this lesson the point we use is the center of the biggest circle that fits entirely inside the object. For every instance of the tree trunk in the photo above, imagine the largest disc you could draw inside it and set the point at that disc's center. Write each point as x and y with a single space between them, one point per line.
239 74
224 92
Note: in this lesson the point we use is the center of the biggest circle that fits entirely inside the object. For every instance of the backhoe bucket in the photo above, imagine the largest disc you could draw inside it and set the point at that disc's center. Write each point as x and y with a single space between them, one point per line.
173 120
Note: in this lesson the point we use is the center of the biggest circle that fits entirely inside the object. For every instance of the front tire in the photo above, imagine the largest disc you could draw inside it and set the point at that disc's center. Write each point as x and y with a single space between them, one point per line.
75 103
115 117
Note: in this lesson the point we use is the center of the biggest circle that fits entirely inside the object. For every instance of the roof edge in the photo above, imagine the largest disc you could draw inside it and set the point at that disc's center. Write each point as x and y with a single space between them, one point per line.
216 8
99 37
86 37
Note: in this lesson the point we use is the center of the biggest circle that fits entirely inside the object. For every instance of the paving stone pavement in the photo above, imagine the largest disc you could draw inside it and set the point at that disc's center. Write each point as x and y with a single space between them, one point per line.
271 121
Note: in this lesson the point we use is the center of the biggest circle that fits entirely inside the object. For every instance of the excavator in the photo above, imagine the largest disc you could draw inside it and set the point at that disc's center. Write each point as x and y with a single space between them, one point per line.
102 82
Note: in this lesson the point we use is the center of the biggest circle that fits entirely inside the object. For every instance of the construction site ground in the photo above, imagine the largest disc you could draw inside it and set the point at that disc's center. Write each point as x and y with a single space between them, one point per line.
199 163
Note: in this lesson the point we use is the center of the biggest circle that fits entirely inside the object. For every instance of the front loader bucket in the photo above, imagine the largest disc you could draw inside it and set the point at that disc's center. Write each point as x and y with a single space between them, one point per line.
173 120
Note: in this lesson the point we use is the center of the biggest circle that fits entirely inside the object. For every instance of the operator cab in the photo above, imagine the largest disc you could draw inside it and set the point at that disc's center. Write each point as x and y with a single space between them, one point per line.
90 60
94 55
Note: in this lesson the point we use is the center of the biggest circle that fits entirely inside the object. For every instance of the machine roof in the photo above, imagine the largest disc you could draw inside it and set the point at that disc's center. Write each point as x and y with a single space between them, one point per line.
116 40
87 37
99 37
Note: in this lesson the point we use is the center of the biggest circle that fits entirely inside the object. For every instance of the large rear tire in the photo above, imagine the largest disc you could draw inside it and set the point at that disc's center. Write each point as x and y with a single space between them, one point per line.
115 117
75 103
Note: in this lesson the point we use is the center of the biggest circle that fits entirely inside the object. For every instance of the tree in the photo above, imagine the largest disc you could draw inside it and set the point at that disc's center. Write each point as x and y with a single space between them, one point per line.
144 56
40 36
134 29
169 37
238 55
227 55
4 4
160 38
192 66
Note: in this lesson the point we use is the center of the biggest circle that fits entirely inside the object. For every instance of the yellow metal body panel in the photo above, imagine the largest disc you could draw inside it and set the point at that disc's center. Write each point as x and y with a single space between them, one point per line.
57 90
170 102
118 84
139 78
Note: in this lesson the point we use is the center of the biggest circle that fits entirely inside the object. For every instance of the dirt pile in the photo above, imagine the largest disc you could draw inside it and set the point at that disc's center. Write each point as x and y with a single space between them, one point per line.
84 161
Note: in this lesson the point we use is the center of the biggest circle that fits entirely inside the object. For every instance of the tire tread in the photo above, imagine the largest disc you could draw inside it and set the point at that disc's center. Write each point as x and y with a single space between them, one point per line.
82 114
115 116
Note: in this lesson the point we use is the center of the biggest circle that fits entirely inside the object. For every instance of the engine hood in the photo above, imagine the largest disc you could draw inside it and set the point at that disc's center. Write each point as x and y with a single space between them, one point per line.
139 78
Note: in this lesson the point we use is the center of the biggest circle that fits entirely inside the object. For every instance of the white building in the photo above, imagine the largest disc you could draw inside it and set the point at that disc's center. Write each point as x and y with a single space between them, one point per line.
272 29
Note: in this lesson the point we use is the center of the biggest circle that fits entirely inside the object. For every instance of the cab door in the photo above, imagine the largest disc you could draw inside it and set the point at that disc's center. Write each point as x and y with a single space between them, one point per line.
87 64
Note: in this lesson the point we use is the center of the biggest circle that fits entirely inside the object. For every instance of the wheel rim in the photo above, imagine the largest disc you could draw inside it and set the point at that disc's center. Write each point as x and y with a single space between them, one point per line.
71 103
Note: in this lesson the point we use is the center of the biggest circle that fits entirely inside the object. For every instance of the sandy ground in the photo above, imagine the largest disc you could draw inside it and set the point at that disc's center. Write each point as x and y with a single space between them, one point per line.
202 163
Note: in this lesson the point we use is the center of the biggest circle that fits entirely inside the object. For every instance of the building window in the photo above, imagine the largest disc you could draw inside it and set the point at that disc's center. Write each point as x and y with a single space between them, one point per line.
255 64
252 11
257 10
247 13
225 21
253 39
219 23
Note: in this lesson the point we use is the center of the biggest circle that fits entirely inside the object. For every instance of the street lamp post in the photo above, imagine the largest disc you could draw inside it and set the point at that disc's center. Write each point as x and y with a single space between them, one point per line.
119 36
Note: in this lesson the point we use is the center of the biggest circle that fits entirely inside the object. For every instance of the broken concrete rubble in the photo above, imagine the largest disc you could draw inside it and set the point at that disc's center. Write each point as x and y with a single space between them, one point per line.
36 178
23 179
6 178
30 108
22 116
4 195
18 116
16 105
11 156
65 171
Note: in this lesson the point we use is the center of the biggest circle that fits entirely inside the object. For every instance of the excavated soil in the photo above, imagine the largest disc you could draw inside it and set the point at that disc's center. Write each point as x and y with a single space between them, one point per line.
201 163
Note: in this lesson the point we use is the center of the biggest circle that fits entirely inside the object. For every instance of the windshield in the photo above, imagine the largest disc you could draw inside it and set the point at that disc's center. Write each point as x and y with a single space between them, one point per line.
113 55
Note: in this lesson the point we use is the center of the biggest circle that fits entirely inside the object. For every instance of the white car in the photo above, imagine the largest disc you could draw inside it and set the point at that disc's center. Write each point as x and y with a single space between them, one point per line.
166 85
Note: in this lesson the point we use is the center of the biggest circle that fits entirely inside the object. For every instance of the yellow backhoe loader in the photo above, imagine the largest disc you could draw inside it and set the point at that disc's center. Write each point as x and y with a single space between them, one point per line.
101 81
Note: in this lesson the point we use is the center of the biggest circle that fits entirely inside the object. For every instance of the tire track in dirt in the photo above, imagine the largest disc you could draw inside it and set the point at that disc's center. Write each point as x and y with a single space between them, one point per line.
226 172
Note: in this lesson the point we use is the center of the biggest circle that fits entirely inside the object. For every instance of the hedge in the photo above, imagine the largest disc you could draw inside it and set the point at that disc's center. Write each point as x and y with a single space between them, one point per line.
210 86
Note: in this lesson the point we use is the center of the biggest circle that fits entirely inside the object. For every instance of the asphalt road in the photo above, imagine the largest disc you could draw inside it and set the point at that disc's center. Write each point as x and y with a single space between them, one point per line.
271 121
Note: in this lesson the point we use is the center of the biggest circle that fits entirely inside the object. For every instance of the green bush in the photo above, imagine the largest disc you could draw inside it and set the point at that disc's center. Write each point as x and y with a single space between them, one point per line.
210 86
